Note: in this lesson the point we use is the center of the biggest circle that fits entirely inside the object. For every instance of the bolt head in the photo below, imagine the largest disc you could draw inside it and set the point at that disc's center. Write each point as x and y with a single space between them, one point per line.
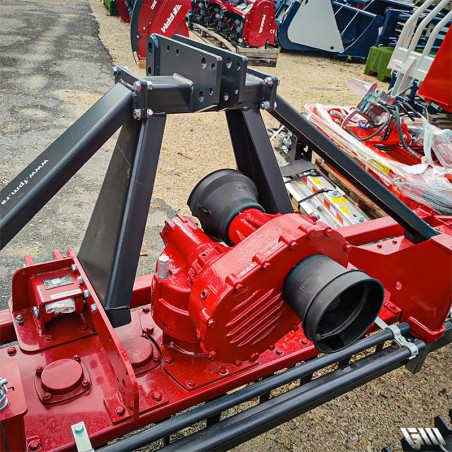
47 396
120 410
137 86
191 383
86 383
39 370
254 357
157 395
74 267
20 319
34 445
11 351
93 308
238 286
80 279
78 428
76 358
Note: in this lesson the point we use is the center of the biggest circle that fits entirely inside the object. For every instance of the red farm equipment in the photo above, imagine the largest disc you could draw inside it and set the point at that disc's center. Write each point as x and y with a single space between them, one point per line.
146 17
92 352
249 23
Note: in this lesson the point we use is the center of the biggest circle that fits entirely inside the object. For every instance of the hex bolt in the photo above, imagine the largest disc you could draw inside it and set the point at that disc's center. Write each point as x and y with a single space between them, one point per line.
211 323
80 279
238 287
149 113
137 86
47 396
86 383
20 319
48 337
137 113
11 351
38 370
157 395
115 70
254 356
223 370
93 308
74 267
265 105
120 410
34 445
78 428
191 383
86 294
169 360
36 311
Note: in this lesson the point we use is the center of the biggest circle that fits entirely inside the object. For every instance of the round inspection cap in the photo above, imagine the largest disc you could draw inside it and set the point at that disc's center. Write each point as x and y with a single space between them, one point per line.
139 350
62 376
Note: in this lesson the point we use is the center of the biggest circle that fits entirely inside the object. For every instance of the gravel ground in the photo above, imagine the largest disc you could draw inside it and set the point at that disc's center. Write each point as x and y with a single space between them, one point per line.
55 62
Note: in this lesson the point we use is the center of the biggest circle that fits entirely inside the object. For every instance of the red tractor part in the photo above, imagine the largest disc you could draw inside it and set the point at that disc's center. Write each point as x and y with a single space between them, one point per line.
123 10
436 86
250 23
163 17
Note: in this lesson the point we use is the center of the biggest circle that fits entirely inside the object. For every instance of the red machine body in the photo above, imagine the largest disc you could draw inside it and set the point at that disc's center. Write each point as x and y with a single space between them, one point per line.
251 23
123 10
436 86
210 322
157 16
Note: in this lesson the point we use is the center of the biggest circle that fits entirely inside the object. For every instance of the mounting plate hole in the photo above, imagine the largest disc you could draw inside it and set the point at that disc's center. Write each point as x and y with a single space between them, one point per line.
203 62
201 96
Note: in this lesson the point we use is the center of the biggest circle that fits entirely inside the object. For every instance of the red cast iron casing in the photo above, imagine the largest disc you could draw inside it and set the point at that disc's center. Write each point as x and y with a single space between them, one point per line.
226 302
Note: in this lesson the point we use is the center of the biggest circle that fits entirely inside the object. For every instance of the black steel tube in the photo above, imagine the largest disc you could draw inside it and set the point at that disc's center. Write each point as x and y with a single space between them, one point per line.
223 403
287 115
28 192
254 421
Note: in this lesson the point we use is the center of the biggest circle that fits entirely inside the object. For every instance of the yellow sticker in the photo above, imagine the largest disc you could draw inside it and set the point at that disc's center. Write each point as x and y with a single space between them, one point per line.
339 200
344 209
316 180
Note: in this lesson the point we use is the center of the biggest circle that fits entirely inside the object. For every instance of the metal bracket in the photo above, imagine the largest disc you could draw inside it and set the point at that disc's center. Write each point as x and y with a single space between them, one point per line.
81 437
398 337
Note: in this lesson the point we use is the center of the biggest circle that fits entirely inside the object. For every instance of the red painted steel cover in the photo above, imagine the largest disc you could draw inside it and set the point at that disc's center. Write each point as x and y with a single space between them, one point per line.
139 350
62 376
437 85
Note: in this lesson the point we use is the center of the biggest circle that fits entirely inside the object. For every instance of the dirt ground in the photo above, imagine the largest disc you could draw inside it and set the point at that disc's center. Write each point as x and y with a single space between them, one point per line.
55 62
